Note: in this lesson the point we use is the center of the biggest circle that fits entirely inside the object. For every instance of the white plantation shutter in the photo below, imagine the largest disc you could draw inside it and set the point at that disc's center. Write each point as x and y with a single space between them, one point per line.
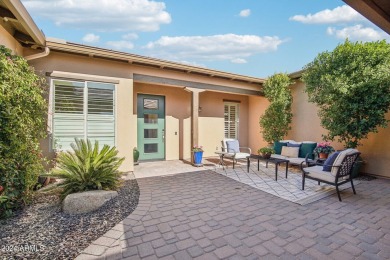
83 110
68 118
101 120
231 120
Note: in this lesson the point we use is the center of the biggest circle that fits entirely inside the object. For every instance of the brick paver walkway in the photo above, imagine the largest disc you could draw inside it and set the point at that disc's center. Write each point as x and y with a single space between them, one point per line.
205 215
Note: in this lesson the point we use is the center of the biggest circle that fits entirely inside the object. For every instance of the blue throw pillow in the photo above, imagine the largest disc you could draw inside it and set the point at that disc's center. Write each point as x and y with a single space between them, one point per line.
293 145
329 162
233 146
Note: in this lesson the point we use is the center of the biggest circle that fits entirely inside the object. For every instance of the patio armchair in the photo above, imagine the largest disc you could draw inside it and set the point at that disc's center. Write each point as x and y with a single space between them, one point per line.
334 173
232 149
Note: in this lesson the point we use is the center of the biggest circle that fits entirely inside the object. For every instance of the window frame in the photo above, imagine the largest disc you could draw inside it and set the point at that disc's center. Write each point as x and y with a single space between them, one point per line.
52 107
237 121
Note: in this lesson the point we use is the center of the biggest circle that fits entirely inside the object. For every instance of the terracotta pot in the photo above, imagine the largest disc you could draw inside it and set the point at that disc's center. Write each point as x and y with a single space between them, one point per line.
266 155
323 155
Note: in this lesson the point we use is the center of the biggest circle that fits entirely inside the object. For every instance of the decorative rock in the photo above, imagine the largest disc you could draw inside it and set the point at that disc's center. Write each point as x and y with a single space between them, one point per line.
84 202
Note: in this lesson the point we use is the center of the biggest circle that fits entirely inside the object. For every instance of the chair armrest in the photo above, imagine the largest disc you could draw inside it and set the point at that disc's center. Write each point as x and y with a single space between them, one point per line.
308 162
246 148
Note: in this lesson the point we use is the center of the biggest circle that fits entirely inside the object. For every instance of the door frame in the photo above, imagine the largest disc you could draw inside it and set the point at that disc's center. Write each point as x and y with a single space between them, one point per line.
138 96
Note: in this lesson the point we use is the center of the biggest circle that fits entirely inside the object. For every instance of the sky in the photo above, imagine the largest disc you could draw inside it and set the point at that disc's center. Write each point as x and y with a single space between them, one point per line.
249 37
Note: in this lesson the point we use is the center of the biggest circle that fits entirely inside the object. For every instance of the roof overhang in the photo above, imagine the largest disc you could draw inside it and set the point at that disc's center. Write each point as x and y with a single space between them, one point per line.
377 11
18 22
95 52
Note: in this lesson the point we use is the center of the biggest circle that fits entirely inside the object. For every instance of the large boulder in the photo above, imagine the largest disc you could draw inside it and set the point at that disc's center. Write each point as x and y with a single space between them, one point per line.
84 202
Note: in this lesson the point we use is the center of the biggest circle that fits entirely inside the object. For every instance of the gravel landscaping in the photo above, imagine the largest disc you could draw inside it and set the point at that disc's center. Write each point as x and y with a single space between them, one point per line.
43 231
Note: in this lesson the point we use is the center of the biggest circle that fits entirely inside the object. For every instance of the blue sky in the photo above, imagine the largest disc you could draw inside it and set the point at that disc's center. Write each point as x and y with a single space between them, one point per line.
249 37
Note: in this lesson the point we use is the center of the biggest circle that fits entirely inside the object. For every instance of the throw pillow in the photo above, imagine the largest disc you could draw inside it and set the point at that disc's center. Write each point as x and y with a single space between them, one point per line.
329 162
233 146
293 145
307 148
290 151
278 147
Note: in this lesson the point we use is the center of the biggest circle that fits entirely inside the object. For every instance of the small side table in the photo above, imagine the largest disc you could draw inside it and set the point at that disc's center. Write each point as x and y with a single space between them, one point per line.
320 161
221 155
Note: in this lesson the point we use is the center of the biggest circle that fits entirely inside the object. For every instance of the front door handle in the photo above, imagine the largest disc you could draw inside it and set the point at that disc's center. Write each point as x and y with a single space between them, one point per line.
163 134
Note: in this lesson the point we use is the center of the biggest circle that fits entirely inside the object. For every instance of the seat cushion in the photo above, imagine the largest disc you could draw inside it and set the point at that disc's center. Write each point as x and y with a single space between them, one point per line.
307 148
296 161
278 156
241 155
329 162
318 173
233 146
278 147
290 151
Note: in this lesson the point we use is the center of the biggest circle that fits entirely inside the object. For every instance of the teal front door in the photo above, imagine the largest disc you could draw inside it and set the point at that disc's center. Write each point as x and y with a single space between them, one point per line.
151 127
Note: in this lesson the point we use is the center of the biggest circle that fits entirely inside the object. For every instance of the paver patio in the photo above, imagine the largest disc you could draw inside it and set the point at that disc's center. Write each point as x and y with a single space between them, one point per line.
205 215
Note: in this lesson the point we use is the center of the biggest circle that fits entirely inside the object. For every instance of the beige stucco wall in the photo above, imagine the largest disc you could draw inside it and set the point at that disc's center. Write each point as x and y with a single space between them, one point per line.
187 139
172 139
212 104
9 41
211 132
126 130
125 123
375 152
257 107
306 126
211 118
178 103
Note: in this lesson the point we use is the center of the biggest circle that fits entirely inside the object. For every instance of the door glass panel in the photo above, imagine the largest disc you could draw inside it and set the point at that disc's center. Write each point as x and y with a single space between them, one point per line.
150 148
150 133
150 103
150 118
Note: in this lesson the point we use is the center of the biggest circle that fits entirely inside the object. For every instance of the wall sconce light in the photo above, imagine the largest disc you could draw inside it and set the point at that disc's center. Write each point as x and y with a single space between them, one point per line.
200 109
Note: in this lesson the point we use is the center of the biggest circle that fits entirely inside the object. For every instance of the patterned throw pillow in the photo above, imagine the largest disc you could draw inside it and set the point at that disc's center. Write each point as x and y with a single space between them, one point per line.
290 151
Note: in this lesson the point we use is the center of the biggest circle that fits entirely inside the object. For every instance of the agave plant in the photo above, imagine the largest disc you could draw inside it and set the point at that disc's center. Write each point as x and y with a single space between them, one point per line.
88 168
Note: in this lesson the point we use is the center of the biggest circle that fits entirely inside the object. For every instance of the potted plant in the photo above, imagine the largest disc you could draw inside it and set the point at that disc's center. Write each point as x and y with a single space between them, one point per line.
197 155
135 155
266 152
323 150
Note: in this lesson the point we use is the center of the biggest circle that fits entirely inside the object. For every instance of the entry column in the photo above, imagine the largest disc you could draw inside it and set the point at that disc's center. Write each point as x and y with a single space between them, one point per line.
194 116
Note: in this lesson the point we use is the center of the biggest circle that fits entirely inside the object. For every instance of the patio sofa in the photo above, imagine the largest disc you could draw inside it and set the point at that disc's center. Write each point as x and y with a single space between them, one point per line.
295 152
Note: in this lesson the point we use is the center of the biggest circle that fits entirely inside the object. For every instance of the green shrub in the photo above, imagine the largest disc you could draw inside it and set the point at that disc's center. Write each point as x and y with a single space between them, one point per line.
88 168
266 150
23 113
275 122
350 86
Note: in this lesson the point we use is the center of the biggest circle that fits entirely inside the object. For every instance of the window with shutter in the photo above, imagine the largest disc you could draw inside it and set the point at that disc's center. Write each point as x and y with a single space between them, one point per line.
83 110
231 120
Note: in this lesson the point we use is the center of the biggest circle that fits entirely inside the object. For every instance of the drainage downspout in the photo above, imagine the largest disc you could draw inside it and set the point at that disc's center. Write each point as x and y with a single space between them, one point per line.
38 55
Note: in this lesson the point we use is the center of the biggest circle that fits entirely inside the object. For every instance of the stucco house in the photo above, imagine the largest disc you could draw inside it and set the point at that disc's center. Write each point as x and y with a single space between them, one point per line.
161 107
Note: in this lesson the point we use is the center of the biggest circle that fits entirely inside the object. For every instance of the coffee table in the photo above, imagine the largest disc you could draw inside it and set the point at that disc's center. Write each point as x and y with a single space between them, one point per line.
275 161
